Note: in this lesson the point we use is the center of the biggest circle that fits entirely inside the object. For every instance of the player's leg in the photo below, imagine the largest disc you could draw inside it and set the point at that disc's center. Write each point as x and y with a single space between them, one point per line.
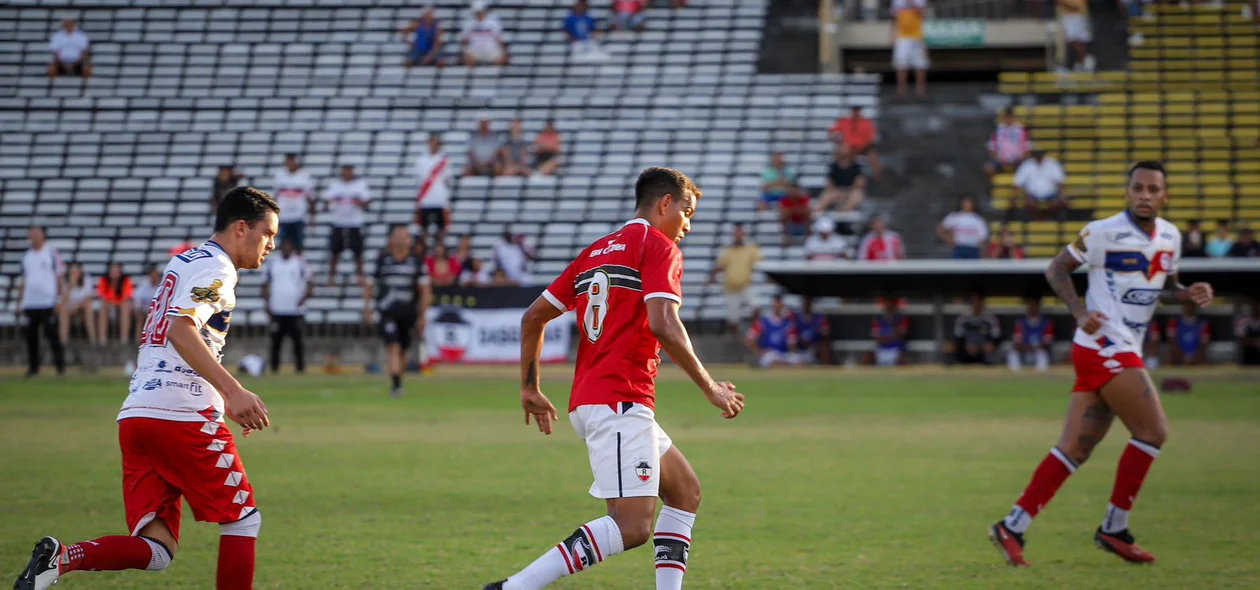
356 246
1015 356
336 245
680 492
277 337
1135 400
54 341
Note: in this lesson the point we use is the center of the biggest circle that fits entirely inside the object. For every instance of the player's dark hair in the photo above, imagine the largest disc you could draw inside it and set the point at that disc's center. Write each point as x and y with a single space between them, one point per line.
395 226
1153 165
82 274
656 182
244 203
41 228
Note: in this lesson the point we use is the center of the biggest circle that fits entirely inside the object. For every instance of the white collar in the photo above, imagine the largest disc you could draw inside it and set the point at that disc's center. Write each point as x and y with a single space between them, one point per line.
637 221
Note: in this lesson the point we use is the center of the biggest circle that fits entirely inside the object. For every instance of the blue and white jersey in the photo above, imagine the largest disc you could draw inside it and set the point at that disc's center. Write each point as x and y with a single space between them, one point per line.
1127 269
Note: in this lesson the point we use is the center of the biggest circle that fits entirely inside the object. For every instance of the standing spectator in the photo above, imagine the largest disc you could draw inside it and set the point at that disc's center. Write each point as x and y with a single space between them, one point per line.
1221 241
426 40
627 15
1005 246
858 133
976 334
1008 146
42 282
474 274
295 192
1246 246
846 185
1075 26
482 38
964 230
70 53
582 30
1192 245
795 211
348 198
824 244
483 151
442 266
225 180
881 243
1040 182
1247 329
737 262
512 257
1188 336
772 337
114 290
547 150
433 200
142 295
813 335
1033 336
909 48
287 284
776 179
889 330
79 298
514 155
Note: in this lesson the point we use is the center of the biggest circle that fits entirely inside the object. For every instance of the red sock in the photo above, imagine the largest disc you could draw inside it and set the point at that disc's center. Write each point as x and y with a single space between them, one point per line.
1046 480
236 563
108 554
1135 462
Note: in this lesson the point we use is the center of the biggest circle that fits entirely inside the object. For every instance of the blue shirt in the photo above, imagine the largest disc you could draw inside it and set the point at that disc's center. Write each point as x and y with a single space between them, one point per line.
1188 333
579 26
1030 332
772 333
426 36
809 329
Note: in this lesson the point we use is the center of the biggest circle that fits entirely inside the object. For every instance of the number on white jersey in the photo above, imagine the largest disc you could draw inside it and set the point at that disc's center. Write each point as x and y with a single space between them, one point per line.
596 306
156 324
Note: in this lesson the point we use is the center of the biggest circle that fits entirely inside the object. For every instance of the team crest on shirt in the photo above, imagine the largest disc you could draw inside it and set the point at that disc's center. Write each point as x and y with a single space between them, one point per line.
207 294
1079 244
643 470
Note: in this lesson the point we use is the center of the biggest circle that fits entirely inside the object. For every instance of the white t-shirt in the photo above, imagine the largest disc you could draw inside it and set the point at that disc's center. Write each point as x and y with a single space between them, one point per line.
832 247
342 196
142 293
1041 181
69 47
968 227
199 284
510 258
40 272
79 294
434 171
292 190
286 279
482 35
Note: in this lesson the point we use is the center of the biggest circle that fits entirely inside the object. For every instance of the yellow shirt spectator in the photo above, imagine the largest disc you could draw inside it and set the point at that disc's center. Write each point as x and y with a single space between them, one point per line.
909 18
737 264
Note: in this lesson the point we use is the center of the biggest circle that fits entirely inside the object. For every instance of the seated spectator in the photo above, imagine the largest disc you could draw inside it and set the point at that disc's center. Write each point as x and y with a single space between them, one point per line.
1150 348
881 243
772 337
1246 246
547 150
443 267
114 290
1040 182
795 211
514 155
142 295
824 244
846 185
1008 146
964 230
1221 241
858 134
736 262
79 300
1247 329
483 151
500 279
474 274
583 33
70 53
1033 337
1188 337
776 179
1005 246
226 180
976 334
813 335
482 38
1192 245
426 40
889 330
909 47
512 257
627 15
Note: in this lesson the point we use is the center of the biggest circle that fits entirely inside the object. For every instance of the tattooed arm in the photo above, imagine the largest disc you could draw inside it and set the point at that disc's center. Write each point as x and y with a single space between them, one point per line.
1059 275
533 326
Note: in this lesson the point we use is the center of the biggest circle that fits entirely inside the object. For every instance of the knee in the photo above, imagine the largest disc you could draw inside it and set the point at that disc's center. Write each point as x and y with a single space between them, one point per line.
1078 451
687 500
163 553
636 529
1155 435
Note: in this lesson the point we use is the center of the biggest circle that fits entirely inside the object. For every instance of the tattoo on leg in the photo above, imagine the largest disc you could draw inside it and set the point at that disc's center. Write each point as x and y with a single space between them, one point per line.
1098 412
1086 443
1146 390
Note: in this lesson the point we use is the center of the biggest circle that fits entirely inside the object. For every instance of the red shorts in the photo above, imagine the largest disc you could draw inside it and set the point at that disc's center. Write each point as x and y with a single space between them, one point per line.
1094 371
164 460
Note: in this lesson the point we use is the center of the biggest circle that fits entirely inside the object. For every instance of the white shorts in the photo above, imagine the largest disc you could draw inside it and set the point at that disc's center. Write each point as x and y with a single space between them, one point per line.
625 447
887 357
773 357
1075 28
909 54
738 304
485 53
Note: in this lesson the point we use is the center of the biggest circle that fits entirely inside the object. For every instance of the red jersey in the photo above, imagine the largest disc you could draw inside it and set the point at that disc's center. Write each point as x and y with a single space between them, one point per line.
608 285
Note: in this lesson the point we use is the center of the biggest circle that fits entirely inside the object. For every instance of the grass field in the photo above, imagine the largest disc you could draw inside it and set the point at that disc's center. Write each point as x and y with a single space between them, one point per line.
828 480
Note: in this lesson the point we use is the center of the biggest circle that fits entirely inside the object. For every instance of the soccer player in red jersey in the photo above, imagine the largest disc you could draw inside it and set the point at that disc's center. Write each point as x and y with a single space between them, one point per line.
174 441
625 289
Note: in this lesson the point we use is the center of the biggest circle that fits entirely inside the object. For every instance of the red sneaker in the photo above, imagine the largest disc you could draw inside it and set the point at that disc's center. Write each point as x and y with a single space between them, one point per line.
1122 544
1009 543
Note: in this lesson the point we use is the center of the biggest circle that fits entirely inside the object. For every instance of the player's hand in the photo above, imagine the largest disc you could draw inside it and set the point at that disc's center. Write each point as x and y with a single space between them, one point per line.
537 405
1201 294
1090 322
725 398
247 409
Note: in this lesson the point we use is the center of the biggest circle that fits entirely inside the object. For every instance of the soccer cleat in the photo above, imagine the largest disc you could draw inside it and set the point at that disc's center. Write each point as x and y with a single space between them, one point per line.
43 570
1123 545
495 585
396 392
1009 543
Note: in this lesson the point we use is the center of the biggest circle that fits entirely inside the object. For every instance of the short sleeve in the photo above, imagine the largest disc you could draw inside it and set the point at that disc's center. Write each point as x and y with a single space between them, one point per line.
662 270
1021 174
367 194
1087 247
200 295
1059 175
948 222
562 292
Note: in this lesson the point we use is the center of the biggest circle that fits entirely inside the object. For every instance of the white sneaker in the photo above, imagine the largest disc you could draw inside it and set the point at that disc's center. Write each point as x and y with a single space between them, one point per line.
1090 63
44 569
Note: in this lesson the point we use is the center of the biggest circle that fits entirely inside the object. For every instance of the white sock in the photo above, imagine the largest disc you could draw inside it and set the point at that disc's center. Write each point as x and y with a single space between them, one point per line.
1018 520
1116 520
1043 359
1012 359
590 544
673 543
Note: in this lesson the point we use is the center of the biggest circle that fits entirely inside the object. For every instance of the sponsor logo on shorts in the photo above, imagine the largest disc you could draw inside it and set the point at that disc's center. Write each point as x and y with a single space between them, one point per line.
161 367
186 371
1140 297
193 388
151 384
643 470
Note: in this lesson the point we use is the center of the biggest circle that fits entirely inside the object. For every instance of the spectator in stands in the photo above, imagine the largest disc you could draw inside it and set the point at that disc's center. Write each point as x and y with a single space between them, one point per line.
482 38
772 337
463 251
1192 245
824 244
627 15
474 274
287 285
512 256
442 266
583 33
964 230
426 40
1074 23
1005 246
295 192
1150 348
976 334
776 179
347 198
142 295
1221 241
483 151
1247 329
42 283
433 199
795 211
909 47
889 330
881 243
1040 182
70 53
514 155
1008 146
1246 246
1033 336
858 133
813 335
77 299
547 150
499 278
736 261
226 180
1188 336
846 185
114 291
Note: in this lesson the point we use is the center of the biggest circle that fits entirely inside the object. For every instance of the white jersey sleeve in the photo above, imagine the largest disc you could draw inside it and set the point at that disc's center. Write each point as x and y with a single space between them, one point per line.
1088 247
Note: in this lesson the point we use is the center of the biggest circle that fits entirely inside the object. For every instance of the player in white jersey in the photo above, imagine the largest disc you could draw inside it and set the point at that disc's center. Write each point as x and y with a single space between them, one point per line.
295 192
1132 261
171 431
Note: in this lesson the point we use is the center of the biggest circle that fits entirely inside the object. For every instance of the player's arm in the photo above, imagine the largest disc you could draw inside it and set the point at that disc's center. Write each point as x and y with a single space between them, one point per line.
422 303
1175 292
668 329
242 405
1059 275
533 328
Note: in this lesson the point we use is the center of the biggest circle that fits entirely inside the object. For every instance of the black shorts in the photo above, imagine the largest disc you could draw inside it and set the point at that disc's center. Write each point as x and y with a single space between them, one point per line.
346 237
431 216
398 328
74 69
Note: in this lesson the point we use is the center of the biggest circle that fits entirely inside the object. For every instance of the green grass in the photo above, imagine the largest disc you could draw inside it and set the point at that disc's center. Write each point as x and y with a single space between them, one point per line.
826 481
